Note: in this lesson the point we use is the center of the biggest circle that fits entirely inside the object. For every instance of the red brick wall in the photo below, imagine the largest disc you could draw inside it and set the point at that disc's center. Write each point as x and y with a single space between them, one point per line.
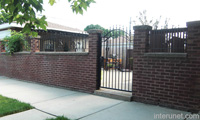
167 81
72 71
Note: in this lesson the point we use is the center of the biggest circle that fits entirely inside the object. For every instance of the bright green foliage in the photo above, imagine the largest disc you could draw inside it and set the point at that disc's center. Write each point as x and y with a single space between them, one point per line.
24 12
10 106
15 43
3 17
59 118
78 5
51 2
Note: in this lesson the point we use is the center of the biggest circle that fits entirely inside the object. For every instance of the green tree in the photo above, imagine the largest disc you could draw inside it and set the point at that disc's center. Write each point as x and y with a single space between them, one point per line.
98 27
89 27
24 12
144 20
107 32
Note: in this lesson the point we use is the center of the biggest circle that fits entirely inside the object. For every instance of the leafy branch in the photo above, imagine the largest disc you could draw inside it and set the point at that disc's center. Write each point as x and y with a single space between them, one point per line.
24 12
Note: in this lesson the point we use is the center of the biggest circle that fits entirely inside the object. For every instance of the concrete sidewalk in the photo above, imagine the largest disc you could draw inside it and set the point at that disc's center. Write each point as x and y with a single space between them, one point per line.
50 102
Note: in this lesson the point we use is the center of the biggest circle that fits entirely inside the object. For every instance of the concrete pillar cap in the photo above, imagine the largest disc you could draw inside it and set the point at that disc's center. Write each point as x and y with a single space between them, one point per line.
193 23
142 27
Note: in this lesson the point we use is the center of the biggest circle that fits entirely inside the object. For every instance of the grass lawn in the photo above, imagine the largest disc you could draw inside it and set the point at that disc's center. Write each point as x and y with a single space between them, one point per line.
10 106
58 118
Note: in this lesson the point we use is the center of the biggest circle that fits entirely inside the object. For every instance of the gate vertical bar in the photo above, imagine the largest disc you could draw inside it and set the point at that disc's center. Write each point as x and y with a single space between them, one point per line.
126 54
112 49
99 45
129 75
122 44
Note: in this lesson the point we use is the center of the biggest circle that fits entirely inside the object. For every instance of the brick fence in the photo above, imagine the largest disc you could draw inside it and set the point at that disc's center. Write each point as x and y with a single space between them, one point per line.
71 70
167 79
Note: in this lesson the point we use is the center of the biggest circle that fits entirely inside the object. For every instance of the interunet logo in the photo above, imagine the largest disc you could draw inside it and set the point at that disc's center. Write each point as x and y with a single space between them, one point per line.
180 116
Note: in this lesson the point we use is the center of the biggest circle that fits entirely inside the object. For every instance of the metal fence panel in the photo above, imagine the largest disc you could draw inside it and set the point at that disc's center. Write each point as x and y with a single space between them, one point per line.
168 40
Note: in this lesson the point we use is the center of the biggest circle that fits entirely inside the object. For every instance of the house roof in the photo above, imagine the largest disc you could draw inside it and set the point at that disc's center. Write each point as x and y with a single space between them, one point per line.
54 26
51 26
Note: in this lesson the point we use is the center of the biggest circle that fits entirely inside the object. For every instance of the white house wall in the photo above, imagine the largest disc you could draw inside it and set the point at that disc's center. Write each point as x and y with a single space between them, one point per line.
4 33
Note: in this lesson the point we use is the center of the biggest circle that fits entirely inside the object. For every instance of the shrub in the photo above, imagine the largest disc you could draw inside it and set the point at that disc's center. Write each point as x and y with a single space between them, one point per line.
110 65
15 43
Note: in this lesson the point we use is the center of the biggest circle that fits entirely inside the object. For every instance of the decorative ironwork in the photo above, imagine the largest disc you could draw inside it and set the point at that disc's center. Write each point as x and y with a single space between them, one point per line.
116 59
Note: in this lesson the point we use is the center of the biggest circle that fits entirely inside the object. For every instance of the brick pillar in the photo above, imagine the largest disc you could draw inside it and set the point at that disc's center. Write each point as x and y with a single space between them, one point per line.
141 39
95 53
35 44
193 51
141 43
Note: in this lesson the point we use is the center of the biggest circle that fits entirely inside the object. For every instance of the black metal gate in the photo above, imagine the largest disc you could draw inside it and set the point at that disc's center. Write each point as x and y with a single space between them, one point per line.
117 59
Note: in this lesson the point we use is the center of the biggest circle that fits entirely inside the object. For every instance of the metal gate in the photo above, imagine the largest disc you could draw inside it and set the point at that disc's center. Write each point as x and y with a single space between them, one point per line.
117 59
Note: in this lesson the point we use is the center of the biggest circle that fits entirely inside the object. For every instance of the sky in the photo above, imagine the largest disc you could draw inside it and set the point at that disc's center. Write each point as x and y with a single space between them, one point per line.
109 13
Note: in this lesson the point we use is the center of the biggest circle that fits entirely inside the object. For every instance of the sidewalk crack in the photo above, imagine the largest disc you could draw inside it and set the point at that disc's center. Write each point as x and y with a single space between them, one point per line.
46 112
101 110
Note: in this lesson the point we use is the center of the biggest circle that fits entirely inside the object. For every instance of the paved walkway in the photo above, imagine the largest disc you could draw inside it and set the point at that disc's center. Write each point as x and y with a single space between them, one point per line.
50 102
